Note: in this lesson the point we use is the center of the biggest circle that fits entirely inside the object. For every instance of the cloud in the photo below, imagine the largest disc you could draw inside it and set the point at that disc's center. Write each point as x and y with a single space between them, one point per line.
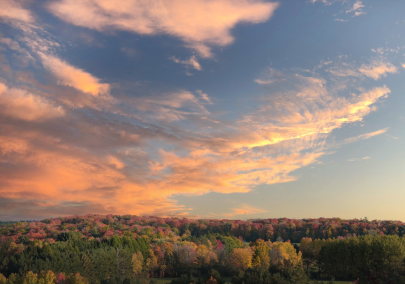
270 76
356 6
101 160
359 159
377 69
358 13
191 62
130 52
13 10
365 136
133 154
22 105
200 24
245 209
11 44
72 76
171 107
204 97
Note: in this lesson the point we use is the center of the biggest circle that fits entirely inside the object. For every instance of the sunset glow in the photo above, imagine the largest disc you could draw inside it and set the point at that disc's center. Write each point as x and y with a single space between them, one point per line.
203 109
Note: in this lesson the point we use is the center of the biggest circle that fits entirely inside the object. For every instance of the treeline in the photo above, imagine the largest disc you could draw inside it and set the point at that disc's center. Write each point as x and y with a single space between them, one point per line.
104 226
130 249
206 259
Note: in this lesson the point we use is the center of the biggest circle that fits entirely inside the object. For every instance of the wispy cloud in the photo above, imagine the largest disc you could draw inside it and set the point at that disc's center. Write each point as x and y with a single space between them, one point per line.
200 24
72 76
356 6
365 136
245 209
359 159
191 62
270 76
377 69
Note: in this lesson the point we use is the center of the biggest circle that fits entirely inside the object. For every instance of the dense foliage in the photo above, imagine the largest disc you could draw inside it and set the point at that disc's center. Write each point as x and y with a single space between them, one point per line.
131 249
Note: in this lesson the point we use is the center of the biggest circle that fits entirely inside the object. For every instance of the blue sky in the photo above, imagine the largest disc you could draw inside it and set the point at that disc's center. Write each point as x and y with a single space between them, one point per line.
204 109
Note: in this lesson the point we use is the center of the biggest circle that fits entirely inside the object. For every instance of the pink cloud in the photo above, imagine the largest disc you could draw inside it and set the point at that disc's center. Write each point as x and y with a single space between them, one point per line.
13 10
72 76
200 24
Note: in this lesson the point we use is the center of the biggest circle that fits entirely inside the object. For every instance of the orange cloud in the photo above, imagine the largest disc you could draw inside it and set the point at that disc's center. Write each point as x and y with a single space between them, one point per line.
72 76
377 69
105 162
25 106
200 24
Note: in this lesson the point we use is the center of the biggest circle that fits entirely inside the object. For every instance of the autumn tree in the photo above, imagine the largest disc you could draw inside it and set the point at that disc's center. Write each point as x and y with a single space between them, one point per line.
261 257
137 263
283 255
242 258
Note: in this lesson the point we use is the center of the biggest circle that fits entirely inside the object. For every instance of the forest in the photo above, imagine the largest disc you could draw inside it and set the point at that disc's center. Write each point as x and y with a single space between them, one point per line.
146 249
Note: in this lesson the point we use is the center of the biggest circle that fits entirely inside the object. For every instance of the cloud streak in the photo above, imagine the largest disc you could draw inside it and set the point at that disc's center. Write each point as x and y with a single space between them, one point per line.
73 77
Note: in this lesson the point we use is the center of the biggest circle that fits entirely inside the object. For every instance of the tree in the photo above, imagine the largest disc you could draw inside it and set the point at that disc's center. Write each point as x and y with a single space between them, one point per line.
261 257
187 254
137 263
283 255
46 277
242 258
76 279
30 278
3 279
205 257
151 262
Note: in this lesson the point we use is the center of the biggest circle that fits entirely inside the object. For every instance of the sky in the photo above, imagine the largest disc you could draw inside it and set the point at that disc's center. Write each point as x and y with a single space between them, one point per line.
232 109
